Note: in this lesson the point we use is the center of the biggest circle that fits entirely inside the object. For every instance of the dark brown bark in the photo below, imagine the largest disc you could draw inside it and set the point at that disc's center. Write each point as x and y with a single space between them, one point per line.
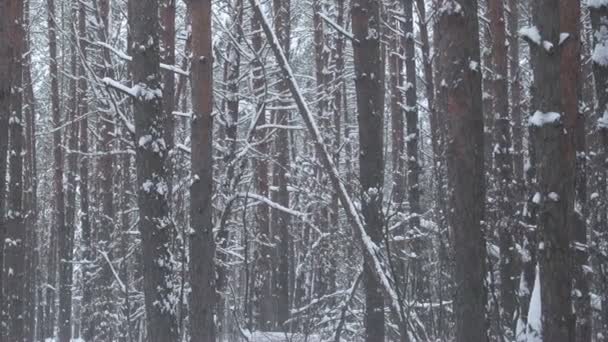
15 240
599 25
504 167
369 83
66 239
555 156
59 209
87 323
280 221
571 90
202 244
105 165
458 45
31 187
167 19
232 69
152 175
5 92
396 67
413 166
263 288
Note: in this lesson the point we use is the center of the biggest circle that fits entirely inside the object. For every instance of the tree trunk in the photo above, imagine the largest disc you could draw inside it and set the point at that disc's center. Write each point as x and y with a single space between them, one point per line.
266 315
87 326
152 175
396 67
280 220
105 166
504 167
571 90
59 214
14 253
5 93
555 154
458 46
369 83
599 25
202 244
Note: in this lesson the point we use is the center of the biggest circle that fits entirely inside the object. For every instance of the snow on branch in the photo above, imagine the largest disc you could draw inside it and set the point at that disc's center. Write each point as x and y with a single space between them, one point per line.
338 28
128 58
274 205
531 35
121 87
540 119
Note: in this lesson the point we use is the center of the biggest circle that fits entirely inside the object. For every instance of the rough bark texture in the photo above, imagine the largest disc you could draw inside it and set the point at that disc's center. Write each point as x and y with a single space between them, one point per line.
66 240
87 326
263 286
555 171
280 220
571 90
167 18
504 166
15 240
59 201
104 309
369 83
151 156
395 63
5 92
599 24
458 45
202 245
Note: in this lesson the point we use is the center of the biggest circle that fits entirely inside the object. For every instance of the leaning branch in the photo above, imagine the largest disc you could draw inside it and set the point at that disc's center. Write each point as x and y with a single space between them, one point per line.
370 249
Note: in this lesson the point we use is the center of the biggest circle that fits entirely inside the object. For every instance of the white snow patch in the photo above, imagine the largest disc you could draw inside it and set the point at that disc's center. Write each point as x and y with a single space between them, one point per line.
553 196
603 121
531 33
536 199
600 53
596 3
535 328
540 119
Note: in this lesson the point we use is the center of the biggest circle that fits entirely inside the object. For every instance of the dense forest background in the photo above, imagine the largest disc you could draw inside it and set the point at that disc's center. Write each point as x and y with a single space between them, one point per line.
304 170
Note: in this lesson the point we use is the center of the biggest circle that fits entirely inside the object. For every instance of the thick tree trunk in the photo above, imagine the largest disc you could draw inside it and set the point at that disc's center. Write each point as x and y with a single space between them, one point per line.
458 45
15 241
555 152
571 90
152 175
87 326
103 285
599 25
66 241
396 67
280 220
369 83
504 167
31 186
413 165
59 209
266 314
5 93
202 244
